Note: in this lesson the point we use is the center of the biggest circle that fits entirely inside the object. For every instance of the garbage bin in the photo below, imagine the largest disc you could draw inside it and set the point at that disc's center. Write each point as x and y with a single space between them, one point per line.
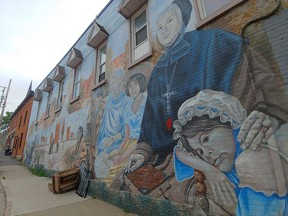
8 151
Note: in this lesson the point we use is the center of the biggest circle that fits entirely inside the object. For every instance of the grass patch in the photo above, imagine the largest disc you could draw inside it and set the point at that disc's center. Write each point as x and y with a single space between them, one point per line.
38 172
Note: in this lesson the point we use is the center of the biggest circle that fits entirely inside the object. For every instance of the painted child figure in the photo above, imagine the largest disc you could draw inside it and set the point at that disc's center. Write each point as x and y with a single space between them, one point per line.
207 152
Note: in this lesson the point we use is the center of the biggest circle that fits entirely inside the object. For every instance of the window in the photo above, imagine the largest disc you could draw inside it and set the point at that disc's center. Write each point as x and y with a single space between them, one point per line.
25 117
74 61
140 26
48 105
101 63
97 39
21 138
207 10
140 46
60 94
59 76
38 111
100 66
51 148
15 142
76 84
20 121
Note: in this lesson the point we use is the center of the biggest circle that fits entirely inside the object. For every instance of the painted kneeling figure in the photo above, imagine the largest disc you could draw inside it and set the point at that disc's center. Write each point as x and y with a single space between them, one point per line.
207 152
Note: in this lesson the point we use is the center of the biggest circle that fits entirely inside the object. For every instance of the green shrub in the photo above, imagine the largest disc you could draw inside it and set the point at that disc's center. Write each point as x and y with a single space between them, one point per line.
148 205
38 172
137 204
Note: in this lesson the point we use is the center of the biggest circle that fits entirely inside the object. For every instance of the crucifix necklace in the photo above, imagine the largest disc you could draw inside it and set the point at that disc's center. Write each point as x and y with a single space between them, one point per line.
167 96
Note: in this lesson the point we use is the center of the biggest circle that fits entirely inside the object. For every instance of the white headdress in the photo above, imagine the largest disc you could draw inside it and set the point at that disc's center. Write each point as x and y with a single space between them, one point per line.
213 104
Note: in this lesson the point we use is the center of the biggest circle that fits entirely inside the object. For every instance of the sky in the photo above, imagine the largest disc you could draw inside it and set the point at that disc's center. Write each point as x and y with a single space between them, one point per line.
34 36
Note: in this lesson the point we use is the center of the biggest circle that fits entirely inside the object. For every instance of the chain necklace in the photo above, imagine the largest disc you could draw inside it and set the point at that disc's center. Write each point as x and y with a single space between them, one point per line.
167 96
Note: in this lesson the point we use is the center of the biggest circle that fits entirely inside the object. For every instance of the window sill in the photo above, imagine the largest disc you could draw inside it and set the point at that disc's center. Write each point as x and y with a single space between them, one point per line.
98 84
204 21
74 100
147 55
47 116
58 109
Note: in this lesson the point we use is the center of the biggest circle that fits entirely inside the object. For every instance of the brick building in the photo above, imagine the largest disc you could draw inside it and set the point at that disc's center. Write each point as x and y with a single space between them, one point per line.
18 126
178 100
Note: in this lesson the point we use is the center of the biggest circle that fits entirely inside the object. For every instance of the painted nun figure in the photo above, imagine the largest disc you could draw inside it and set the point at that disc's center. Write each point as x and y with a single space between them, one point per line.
186 67
225 179
202 59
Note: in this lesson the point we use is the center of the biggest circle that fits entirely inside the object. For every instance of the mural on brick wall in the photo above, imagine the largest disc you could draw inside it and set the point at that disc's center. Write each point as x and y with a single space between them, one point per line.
121 123
76 154
203 121
209 131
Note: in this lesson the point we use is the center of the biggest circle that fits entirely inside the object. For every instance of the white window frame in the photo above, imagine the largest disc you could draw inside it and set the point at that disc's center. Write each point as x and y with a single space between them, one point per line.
99 65
101 62
48 105
135 31
60 92
60 96
203 19
76 83
38 112
140 51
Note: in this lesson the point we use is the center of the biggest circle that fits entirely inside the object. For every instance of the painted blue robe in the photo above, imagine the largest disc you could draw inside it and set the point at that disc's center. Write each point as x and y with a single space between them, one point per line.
133 120
197 60
113 121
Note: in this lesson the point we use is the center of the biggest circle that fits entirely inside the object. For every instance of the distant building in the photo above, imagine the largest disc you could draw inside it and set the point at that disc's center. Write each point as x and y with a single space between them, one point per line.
18 126
134 86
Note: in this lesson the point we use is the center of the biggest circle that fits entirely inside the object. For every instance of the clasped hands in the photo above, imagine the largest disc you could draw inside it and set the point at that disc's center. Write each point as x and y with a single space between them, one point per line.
222 187
256 130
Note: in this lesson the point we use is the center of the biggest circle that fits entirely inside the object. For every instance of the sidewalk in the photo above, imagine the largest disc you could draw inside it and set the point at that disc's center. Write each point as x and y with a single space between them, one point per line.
27 194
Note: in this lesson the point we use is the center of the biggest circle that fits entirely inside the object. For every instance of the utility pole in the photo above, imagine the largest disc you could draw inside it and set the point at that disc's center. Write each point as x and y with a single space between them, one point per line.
5 100
2 96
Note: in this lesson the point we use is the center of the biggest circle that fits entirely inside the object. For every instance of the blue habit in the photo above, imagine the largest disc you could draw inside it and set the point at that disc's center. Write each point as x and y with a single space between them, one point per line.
205 59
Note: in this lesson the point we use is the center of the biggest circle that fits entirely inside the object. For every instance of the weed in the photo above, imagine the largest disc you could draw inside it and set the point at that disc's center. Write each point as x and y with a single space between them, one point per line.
38 172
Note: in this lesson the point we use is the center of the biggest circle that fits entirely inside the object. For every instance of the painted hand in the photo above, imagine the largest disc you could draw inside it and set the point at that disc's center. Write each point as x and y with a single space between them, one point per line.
222 187
135 161
256 130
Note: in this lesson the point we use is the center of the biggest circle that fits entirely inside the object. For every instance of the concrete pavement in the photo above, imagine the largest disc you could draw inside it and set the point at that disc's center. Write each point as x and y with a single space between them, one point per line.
26 194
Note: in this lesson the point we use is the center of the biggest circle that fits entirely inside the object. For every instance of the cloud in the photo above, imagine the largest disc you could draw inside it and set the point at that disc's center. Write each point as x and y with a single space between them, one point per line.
37 35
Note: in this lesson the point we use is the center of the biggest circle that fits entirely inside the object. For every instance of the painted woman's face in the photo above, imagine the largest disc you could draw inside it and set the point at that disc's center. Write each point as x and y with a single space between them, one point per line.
134 89
217 147
169 25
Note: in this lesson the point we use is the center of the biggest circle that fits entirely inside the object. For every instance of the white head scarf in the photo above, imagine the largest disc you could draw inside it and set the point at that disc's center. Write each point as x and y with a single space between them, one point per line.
213 104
